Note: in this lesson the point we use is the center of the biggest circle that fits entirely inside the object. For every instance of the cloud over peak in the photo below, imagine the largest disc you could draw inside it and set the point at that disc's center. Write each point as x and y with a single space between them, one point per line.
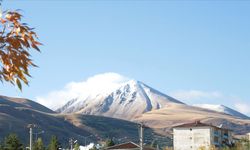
101 83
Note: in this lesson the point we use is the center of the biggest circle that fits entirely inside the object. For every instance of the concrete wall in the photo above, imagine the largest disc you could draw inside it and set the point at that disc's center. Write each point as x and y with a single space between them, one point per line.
192 138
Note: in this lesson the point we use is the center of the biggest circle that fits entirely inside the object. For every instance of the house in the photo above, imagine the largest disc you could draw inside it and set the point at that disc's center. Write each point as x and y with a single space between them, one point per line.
192 136
128 146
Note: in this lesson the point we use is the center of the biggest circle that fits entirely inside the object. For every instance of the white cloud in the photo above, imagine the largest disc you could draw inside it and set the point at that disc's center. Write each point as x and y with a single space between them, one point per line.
243 108
101 83
194 95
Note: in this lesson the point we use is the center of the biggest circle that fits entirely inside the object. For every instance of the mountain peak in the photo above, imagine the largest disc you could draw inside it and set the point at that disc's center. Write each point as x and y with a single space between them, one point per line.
133 83
222 109
129 100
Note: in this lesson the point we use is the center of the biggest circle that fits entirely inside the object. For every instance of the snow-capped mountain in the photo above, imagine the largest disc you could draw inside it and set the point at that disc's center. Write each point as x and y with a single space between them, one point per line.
130 100
223 109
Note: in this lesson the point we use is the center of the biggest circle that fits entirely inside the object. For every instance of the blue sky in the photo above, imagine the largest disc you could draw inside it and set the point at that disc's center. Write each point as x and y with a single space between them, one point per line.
195 50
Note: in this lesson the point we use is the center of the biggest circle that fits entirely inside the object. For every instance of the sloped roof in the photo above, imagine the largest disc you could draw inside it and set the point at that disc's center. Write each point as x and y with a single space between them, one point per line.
200 124
193 124
128 145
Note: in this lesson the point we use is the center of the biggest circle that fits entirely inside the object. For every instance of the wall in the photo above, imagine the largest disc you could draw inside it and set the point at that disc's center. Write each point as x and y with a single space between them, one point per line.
186 139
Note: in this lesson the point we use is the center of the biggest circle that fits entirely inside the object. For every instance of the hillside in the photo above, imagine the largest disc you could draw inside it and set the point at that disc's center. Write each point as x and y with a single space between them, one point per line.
16 120
16 114
120 130
23 103
177 114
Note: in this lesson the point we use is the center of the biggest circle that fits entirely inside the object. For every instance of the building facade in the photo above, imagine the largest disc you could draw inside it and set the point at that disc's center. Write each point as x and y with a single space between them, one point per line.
196 135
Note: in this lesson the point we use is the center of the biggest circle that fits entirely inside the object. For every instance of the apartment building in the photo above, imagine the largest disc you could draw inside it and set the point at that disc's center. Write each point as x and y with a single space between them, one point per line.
193 136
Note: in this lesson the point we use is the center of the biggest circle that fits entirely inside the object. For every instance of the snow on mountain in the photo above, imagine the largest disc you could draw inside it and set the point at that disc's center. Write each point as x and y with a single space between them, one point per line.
102 84
222 109
130 100
116 96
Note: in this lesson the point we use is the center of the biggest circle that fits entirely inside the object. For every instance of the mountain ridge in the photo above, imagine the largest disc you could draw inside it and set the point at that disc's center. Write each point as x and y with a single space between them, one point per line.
223 109
138 102
25 103
133 95
133 91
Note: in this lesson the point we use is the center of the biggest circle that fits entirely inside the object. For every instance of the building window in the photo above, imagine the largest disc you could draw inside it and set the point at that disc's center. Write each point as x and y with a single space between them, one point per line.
216 140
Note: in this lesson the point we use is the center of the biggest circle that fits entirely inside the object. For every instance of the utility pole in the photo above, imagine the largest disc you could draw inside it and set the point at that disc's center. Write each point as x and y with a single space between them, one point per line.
31 137
141 126
71 143
30 126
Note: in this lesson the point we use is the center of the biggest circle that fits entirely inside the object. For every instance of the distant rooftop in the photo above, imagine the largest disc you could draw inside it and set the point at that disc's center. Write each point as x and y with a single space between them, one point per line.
197 124
128 146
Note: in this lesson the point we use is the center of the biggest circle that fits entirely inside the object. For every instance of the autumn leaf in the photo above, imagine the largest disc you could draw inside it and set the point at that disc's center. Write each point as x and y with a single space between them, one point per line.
19 84
16 40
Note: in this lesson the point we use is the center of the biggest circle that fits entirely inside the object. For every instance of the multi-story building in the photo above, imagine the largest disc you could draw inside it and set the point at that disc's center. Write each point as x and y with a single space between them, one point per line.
193 136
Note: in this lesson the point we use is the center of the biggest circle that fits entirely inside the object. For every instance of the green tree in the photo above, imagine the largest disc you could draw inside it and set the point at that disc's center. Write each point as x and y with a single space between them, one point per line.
1 146
12 142
38 145
54 144
109 142
76 146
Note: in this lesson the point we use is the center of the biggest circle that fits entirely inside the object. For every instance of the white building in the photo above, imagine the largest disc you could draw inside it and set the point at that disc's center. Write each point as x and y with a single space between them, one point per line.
248 136
195 135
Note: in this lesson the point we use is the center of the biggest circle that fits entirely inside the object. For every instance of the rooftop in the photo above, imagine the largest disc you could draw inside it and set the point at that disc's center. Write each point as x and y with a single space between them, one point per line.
128 145
197 124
